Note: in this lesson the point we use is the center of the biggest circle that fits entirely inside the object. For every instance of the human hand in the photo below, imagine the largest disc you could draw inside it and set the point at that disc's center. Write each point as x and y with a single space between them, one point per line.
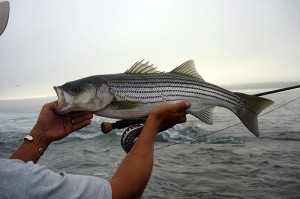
168 115
53 126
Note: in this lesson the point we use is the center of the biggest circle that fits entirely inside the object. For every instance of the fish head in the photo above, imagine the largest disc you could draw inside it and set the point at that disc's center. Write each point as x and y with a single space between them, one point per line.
88 94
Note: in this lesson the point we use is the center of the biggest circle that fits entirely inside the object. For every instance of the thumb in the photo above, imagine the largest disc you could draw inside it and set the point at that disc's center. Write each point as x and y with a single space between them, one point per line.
181 106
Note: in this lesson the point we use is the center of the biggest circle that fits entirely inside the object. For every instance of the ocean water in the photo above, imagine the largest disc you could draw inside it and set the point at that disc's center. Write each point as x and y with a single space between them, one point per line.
192 160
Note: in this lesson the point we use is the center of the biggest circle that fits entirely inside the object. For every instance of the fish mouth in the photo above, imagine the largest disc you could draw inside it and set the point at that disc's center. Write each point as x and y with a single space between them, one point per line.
65 104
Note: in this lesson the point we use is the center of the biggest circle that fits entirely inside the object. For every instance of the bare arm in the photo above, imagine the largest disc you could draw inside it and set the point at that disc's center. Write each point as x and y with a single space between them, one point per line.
135 170
48 128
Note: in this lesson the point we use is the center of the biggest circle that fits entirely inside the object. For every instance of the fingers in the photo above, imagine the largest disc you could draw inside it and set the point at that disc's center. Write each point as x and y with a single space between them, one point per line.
80 117
169 115
180 117
53 105
179 111
188 104
178 107
181 106
81 114
79 125
80 120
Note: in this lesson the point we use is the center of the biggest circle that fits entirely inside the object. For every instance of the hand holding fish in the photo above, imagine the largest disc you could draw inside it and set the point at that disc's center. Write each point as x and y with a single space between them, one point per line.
168 115
56 126
50 127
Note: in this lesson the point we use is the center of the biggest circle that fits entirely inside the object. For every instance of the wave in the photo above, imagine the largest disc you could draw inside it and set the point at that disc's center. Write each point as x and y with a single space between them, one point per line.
225 140
85 136
287 139
283 136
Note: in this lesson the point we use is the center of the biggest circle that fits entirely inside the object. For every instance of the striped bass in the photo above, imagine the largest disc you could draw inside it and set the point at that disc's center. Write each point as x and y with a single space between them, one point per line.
136 92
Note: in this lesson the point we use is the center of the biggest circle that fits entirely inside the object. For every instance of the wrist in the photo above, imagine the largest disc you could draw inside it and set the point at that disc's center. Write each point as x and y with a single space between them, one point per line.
39 132
32 147
37 143
153 122
158 119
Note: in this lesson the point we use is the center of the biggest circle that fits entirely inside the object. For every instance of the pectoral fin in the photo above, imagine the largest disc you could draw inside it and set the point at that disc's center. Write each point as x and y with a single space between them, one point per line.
125 104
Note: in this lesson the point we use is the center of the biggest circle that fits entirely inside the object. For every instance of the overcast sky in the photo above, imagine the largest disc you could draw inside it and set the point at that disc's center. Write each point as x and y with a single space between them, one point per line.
48 43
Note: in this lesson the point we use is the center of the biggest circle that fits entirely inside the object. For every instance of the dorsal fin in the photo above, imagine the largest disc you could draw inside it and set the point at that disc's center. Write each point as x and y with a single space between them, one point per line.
187 68
140 68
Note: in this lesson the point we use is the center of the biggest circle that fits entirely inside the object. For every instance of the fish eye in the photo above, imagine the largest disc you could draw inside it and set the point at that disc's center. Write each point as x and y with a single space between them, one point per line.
75 89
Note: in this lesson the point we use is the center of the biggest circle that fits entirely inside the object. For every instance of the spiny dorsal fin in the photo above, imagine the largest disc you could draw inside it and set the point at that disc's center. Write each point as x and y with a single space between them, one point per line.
140 68
187 68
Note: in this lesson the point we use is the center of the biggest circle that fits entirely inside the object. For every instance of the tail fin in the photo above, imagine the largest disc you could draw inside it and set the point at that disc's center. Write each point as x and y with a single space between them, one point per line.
253 106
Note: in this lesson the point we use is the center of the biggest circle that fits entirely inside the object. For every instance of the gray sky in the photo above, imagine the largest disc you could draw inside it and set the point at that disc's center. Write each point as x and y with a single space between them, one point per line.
48 43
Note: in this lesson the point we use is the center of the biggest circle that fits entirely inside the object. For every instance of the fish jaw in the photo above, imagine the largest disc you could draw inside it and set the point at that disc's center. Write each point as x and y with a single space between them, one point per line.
65 101
90 98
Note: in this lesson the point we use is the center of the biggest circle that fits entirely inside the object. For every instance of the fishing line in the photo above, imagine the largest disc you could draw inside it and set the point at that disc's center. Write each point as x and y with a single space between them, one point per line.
277 91
197 139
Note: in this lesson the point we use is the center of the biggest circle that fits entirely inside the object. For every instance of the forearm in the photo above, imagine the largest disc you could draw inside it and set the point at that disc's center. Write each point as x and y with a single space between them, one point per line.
137 166
29 150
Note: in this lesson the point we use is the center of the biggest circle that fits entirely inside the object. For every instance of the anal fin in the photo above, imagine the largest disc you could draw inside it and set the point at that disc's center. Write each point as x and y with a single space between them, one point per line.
205 114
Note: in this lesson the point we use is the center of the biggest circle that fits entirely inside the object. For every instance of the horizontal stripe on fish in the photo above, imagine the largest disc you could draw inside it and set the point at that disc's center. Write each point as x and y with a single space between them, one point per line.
132 91
163 79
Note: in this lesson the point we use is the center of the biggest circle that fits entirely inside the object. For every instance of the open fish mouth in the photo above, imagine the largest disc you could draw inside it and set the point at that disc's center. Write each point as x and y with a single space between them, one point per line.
65 104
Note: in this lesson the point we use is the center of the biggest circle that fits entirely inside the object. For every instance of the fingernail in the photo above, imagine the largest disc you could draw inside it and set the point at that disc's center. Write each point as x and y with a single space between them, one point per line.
188 104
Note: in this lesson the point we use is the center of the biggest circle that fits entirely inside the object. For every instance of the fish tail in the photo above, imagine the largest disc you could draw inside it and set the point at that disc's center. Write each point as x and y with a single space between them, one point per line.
248 113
